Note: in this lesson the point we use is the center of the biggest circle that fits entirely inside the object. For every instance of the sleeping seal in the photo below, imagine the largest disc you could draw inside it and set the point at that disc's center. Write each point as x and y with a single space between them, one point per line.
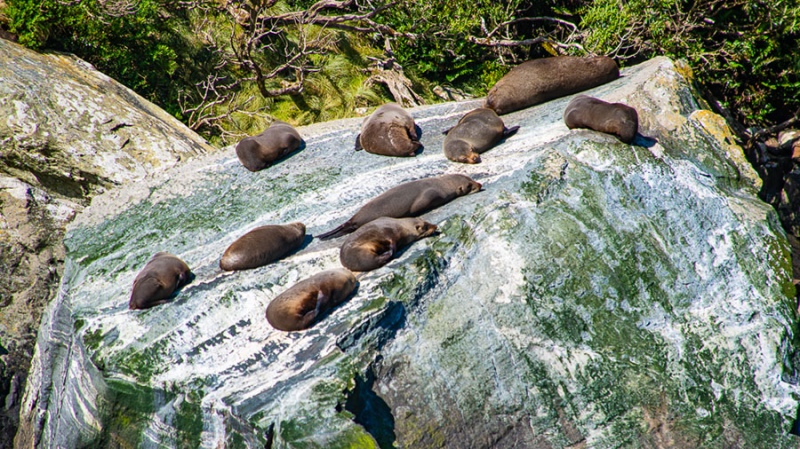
263 245
372 245
389 131
298 307
540 80
259 151
476 132
408 200
158 281
617 119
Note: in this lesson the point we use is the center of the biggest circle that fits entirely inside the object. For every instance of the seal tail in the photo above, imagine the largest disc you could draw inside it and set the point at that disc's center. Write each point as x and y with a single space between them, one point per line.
358 146
342 229
508 132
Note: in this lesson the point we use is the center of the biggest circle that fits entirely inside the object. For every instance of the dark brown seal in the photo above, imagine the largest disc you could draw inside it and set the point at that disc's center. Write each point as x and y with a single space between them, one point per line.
371 246
263 245
540 80
389 131
476 132
259 151
158 281
408 200
617 119
298 307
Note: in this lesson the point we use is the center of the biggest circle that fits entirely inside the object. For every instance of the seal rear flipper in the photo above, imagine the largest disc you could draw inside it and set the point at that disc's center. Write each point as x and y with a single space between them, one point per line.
358 146
508 132
383 250
342 229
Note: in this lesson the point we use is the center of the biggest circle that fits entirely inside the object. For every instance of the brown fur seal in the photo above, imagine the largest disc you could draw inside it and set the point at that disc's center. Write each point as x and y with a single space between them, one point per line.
298 307
158 281
258 152
540 80
476 132
618 119
389 131
263 245
408 200
372 245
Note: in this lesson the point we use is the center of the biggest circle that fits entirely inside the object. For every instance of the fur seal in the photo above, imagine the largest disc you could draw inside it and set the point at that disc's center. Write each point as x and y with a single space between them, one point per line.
540 80
389 131
259 151
158 281
476 132
617 119
263 245
408 200
296 308
372 245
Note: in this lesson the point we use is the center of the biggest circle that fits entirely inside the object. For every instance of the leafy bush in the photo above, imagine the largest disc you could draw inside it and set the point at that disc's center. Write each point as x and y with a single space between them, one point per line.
744 51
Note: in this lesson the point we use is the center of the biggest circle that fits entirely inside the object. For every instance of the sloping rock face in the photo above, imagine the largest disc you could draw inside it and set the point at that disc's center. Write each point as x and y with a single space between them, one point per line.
594 295
67 132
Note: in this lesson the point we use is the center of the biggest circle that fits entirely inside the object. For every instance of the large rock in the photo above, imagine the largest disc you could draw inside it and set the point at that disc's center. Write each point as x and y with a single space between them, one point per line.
67 132
595 295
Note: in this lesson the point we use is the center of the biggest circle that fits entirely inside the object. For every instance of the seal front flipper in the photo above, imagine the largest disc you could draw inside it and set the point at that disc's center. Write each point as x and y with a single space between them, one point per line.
358 146
508 132
308 318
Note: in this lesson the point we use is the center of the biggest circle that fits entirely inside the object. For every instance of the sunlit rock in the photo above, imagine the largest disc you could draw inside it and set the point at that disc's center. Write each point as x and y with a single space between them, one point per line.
595 295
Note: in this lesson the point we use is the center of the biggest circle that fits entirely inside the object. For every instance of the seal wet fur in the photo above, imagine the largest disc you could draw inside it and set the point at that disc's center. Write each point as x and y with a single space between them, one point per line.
540 80
158 281
263 245
409 199
616 119
476 132
371 246
260 151
389 131
303 303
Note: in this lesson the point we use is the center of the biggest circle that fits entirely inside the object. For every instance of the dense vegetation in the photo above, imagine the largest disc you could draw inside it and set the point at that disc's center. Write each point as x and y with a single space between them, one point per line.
227 68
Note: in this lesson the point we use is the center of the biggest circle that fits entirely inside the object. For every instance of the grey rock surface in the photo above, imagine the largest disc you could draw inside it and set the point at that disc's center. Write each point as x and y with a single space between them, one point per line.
67 132
595 295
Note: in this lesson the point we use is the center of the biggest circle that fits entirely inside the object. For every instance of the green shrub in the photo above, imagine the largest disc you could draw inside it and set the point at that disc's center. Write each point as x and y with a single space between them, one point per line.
744 52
